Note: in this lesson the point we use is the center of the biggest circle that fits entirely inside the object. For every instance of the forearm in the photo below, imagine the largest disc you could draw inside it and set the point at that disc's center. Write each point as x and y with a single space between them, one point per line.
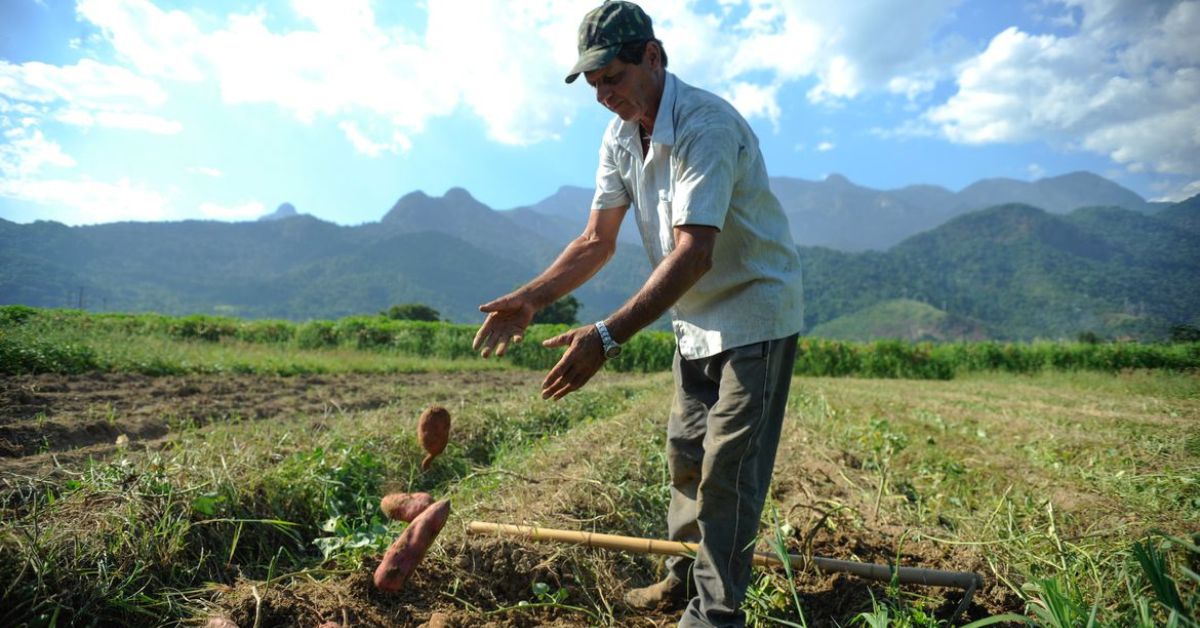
582 258
674 276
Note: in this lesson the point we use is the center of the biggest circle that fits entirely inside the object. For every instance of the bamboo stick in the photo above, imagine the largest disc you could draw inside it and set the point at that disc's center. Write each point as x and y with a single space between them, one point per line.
886 573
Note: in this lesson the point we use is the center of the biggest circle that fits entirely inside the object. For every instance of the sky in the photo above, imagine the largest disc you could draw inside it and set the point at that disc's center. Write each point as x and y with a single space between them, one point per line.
151 110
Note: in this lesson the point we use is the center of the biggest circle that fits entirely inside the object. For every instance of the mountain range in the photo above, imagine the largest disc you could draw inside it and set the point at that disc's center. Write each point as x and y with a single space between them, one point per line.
1000 258
839 214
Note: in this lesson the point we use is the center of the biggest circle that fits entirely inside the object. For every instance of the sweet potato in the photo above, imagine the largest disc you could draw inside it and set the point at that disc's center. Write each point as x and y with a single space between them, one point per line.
433 432
405 506
409 548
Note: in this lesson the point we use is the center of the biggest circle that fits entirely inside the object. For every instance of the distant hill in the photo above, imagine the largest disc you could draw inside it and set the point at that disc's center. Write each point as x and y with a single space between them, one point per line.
285 210
1057 195
449 252
1025 273
1011 271
904 319
839 214
1184 215
563 215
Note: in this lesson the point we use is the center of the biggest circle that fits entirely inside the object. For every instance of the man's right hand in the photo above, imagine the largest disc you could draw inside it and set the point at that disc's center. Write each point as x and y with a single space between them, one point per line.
507 319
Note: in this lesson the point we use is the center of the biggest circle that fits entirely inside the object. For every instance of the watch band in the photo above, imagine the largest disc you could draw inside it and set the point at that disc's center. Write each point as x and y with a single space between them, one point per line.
611 347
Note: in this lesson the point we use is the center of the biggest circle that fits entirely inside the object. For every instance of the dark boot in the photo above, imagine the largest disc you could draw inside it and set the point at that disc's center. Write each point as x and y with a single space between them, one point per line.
669 594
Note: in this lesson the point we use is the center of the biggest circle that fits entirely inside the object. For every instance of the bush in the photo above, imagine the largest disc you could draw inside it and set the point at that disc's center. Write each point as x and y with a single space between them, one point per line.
316 335
20 355
207 328
266 332
11 315
412 312
23 350
562 312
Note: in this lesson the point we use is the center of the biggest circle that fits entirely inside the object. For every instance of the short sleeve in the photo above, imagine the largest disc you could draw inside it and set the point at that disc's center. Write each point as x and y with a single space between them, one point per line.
705 169
610 187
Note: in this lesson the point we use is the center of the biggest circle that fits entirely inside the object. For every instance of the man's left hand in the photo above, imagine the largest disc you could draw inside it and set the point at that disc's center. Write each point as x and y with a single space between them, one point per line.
583 358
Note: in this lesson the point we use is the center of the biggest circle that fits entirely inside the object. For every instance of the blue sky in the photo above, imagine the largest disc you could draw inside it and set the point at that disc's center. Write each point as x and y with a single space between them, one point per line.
117 110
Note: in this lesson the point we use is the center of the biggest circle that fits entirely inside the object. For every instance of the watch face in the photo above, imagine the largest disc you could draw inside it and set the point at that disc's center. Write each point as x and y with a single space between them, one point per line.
612 352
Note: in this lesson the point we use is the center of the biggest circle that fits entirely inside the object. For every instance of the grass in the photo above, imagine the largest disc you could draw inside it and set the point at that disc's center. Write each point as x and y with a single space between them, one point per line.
116 350
1058 477
71 341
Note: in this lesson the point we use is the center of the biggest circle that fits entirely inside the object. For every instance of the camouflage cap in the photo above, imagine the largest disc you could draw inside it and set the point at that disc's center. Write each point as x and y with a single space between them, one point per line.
604 30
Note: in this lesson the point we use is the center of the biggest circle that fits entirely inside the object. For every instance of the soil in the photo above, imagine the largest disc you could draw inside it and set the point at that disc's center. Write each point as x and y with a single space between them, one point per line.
46 420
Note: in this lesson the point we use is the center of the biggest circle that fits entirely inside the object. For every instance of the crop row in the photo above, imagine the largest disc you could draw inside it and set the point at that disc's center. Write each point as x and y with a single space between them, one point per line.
40 349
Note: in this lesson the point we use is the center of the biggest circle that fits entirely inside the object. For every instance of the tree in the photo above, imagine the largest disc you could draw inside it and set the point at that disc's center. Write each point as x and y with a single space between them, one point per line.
1185 333
412 312
562 311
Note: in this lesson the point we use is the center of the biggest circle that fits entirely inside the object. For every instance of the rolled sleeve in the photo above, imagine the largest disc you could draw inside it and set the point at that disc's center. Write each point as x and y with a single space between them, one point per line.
706 168
610 188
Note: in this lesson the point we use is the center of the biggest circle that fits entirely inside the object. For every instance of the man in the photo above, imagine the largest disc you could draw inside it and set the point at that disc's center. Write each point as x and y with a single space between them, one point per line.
725 268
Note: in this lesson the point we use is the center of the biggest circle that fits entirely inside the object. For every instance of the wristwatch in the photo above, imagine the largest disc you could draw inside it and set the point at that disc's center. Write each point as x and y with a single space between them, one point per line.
612 348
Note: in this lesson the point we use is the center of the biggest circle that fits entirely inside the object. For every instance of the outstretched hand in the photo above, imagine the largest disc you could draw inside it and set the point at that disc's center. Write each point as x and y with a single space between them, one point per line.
582 359
505 324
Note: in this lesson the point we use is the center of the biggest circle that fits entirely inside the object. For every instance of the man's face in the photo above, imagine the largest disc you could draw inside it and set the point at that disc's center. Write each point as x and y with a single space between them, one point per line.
626 89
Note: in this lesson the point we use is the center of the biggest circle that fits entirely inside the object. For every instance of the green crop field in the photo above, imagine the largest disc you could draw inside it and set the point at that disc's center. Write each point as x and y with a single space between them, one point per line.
158 470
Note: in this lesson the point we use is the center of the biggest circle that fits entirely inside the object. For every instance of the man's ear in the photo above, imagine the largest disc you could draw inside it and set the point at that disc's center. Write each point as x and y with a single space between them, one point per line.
653 54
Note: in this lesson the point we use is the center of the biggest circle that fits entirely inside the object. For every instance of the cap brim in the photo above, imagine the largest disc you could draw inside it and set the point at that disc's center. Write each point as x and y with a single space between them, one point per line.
593 59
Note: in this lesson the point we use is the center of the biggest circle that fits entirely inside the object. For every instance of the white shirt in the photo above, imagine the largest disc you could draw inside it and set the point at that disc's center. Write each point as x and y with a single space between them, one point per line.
704 167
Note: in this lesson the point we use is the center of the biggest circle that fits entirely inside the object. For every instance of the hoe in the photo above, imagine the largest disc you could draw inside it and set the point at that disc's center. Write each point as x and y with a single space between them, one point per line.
965 580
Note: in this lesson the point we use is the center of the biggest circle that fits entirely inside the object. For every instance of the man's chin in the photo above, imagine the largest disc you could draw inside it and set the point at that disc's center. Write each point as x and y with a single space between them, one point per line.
624 113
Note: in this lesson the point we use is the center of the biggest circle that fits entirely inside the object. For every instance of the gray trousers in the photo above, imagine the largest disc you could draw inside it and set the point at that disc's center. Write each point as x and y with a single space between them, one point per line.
721 441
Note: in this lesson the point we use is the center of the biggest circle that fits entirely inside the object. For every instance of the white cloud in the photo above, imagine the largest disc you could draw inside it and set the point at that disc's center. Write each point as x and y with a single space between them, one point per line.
1126 85
118 120
85 94
753 100
86 84
206 171
1181 193
247 210
398 144
158 43
848 48
26 152
508 60
825 147
28 159
912 86
1036 171
504 60
85 201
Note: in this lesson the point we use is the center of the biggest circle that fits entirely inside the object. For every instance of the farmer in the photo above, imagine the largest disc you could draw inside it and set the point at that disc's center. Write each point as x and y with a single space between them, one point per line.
725 268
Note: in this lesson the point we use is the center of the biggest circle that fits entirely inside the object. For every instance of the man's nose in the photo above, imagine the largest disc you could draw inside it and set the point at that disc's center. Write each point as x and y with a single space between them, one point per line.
602 93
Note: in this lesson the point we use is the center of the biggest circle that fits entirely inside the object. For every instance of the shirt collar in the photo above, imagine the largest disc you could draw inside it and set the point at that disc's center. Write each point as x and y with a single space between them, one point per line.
664 120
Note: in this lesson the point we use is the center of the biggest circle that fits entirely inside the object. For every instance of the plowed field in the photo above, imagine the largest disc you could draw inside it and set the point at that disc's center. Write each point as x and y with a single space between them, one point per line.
144 500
